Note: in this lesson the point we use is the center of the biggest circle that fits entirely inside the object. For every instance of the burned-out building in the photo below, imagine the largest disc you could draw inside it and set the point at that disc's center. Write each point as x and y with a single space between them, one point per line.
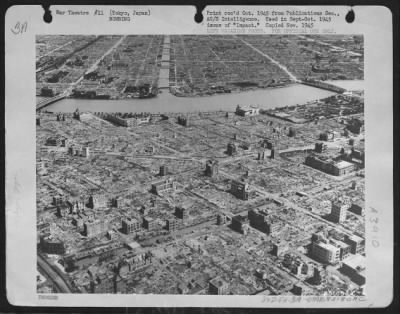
231 149
163 186
240 189
130 225
212 168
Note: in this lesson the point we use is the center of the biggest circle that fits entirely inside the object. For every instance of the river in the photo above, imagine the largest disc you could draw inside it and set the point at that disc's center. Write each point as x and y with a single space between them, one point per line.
166 102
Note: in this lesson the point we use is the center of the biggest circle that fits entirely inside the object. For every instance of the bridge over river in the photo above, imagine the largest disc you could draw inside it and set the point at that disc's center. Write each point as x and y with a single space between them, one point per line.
48 101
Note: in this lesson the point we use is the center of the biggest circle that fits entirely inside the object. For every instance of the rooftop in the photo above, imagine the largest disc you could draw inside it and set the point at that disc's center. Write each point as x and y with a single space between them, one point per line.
343 164
356 262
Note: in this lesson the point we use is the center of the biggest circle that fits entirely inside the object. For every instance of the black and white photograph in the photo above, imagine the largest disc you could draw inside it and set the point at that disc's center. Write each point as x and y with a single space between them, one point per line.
200 164
222 161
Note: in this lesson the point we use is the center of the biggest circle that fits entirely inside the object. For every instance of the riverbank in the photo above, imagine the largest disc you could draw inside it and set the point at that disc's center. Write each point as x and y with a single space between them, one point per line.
294 94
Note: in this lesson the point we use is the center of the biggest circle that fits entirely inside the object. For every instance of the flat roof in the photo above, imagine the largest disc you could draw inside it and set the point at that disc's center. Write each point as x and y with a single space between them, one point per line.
327 246
355 261
343 164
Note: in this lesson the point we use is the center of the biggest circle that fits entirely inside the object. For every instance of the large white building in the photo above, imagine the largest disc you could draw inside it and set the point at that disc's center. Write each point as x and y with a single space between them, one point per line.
245 111
325 252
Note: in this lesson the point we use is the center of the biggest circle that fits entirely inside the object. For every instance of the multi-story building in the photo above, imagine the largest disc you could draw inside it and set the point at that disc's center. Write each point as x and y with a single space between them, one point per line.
325 252
345 248
92 228
217 286
221 219
212 168
58 200
357 244
86 152
246 111
129 119
133 261
278 248
339 211
149 223
240 224
181 212
259 219
240 189
231 149
328 165
320 147
163 170
76 206
98 201
184 121
172 224
357 208
354 267
163 186
52 245
130 225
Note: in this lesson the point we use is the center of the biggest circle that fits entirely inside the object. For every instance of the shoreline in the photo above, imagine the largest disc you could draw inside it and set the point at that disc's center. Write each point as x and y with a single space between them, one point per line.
205 95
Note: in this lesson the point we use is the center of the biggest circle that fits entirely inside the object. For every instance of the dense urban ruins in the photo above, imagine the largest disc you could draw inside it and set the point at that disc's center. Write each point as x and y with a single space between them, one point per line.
255 200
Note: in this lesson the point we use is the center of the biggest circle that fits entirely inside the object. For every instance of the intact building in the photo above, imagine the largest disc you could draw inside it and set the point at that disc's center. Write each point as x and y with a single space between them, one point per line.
163 170
240 224
51 245
171 224
129 119
181 213
339 211
342 167
212 168
246 111
92 228
328 165
184 121
325 252
218 286
344 248
240 189
149 223
357 208
354 267
357 244
221 219
130 225
231 149
260 220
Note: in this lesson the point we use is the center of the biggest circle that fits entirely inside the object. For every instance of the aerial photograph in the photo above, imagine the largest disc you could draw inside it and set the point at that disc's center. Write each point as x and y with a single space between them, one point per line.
200 164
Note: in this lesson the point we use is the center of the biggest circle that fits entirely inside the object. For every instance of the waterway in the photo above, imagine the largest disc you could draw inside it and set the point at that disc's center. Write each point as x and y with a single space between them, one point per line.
166 102
349 84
